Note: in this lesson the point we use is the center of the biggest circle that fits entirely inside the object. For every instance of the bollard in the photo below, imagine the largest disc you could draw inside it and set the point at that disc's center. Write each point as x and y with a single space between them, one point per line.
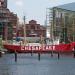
39 56
15 56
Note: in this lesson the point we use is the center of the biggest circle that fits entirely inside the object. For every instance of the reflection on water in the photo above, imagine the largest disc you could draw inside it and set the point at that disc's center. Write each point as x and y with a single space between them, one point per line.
29 65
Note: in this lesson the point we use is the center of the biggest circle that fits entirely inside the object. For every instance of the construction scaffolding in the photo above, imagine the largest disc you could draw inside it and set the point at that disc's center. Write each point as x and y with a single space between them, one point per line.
48 21
61 23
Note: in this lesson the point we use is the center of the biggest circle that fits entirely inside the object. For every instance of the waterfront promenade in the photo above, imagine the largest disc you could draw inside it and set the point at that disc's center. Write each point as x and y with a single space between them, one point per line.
30 65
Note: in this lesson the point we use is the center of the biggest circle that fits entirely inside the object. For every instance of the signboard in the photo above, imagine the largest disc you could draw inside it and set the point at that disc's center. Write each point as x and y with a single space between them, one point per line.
38 48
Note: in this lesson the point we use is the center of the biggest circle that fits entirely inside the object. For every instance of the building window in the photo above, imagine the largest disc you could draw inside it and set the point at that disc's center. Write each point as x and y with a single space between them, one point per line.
32 27
38 27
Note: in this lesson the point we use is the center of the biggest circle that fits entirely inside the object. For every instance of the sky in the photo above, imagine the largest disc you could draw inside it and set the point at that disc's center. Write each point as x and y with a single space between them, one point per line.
34 9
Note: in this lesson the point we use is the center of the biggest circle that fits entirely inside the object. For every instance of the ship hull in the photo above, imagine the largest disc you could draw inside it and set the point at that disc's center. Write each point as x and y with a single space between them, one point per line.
41 49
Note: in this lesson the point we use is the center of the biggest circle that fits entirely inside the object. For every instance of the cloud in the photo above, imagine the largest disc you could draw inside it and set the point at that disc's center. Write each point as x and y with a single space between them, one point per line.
19 3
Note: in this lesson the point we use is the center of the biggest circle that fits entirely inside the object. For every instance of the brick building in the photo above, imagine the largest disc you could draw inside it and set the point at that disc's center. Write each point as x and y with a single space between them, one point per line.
33 30
3 3
8 21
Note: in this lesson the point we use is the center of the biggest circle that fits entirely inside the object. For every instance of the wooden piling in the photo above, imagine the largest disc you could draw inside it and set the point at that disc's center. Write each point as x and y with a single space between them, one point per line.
32 53
15 56
51 53
0 54
74 53
58 55
39 56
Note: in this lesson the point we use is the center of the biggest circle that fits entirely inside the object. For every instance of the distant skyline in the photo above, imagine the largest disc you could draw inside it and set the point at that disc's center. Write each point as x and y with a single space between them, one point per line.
34 9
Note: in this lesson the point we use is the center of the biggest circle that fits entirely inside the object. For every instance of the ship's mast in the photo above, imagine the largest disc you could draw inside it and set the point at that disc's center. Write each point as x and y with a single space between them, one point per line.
24 31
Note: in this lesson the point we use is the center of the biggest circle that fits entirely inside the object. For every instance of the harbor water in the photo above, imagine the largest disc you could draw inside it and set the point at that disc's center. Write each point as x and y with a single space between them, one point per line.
30 65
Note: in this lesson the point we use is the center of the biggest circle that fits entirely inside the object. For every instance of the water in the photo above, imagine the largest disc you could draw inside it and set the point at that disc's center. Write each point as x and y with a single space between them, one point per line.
30 65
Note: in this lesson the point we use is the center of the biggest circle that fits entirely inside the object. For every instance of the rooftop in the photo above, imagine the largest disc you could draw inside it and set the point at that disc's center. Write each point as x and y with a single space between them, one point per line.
69 6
